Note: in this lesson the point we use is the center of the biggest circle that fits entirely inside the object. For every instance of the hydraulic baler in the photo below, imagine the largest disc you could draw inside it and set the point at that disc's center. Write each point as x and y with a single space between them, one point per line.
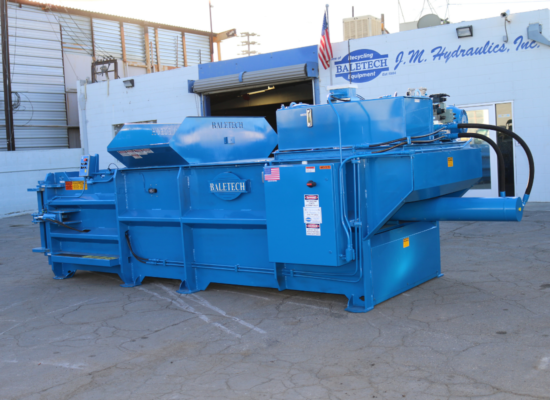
349 203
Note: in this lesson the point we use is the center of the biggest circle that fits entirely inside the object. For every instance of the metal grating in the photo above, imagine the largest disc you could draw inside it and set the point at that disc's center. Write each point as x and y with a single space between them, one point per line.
37 76
107 39
198 49
134 38
171 48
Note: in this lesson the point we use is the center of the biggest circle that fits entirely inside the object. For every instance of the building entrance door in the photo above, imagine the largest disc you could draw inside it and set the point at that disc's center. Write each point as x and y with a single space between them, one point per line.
488 184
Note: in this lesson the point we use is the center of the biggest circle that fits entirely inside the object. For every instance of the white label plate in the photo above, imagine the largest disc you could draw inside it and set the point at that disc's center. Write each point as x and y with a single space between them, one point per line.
313 215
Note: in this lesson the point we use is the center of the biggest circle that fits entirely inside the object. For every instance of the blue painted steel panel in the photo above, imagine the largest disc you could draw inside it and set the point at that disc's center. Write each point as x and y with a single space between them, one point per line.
399 259
291 237
203 140
362 123
145 145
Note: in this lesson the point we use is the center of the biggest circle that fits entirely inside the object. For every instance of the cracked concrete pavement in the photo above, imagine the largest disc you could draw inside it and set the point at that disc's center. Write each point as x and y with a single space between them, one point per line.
480 332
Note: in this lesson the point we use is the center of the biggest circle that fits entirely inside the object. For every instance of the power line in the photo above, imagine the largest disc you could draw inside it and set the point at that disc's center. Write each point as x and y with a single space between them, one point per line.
80 29
61 42
401 9
422 10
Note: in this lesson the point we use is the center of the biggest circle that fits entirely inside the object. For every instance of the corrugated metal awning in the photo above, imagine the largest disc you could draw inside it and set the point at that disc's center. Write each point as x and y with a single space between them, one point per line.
253 79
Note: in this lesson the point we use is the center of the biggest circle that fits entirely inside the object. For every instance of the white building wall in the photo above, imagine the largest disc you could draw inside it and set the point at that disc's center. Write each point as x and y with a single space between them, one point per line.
163 97
515 75
21 170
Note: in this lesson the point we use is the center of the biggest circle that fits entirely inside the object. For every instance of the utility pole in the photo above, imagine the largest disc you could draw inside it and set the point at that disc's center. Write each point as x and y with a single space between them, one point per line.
8 109
248 43
211 32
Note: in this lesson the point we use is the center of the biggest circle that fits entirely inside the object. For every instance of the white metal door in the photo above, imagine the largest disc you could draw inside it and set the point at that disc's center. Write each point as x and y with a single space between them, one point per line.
488 184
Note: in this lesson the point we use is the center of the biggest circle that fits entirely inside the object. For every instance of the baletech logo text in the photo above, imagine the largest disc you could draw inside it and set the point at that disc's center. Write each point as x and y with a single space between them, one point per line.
362 65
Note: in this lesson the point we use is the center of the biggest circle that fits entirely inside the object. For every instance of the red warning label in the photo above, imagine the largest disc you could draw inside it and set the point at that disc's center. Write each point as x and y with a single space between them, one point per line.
313 229
311 200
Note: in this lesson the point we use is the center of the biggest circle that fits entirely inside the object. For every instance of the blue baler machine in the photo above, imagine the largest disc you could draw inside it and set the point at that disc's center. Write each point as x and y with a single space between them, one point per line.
349 203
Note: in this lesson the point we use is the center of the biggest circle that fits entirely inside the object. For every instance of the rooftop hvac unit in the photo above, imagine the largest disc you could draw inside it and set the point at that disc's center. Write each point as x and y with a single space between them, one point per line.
359 27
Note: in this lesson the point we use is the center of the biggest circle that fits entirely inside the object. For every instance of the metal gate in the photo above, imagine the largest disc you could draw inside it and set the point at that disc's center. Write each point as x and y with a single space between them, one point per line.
38 84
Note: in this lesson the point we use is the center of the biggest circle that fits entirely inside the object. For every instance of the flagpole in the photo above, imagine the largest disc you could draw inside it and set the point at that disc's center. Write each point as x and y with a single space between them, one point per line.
329 61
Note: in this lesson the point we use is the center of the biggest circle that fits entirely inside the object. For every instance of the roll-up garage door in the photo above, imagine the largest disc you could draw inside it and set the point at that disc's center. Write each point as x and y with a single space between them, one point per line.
253 79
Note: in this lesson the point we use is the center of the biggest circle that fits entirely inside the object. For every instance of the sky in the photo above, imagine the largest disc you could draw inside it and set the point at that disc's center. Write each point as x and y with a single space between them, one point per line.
286 24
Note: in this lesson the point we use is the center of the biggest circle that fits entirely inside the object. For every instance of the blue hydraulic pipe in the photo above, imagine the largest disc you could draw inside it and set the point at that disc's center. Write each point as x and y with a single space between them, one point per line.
462 209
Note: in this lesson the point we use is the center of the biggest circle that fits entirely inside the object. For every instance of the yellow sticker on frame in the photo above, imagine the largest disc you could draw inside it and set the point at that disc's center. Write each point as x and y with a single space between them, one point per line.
450 162
75 185
406 242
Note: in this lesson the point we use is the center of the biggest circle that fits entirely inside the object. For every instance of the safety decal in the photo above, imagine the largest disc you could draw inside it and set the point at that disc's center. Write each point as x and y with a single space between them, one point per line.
313 215
136 153
406 242
75 185
310 169
311 200
449 162
313 229
324 167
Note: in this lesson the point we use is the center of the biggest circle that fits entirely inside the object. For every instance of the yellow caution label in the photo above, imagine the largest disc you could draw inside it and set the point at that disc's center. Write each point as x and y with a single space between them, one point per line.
75 185
449 162
101 257
519 209
406 242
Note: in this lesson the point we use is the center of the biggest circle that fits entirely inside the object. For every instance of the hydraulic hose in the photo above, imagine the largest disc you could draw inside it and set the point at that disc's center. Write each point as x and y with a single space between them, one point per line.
140 259
521 142
65 225
500 159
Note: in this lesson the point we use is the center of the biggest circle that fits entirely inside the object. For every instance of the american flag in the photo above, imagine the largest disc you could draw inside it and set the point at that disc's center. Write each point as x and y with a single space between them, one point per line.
325 48
271 174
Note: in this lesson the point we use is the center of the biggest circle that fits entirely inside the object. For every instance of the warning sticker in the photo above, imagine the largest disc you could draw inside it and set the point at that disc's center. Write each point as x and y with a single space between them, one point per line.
75 185
135 152
311 200
406 242
313 215
310 169
313 229
324 167
142 152
449 162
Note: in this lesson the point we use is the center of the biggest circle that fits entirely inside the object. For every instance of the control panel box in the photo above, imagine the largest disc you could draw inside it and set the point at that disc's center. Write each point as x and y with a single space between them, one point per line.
303 214
84 166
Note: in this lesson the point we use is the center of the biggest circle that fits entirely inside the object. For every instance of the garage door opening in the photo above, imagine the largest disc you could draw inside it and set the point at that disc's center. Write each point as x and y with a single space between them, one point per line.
262 101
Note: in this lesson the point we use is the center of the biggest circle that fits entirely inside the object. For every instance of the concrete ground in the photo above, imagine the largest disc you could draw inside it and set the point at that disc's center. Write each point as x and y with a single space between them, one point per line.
480 332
